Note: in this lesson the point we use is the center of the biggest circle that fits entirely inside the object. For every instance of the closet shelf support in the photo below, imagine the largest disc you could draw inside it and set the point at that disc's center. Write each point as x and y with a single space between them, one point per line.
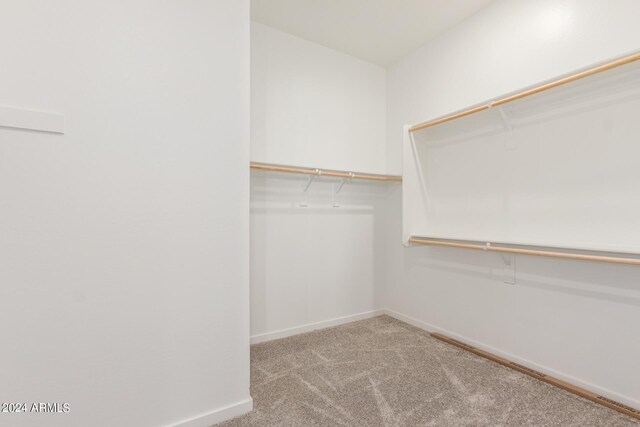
317 173
343 180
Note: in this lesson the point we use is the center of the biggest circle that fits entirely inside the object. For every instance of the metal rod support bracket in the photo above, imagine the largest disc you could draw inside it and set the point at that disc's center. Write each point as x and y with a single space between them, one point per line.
317 173
342 182
505 119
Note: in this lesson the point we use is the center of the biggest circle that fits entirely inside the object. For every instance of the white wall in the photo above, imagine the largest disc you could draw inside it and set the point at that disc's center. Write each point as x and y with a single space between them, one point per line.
315 255
504 47
124 243
313 106
574 319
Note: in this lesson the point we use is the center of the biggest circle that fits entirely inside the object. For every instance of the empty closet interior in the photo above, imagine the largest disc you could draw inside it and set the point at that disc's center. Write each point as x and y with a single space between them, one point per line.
319 213
481 189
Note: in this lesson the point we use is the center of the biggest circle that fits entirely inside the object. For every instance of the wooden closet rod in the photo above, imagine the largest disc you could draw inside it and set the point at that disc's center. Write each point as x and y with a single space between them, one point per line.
510 250
528 92
319 172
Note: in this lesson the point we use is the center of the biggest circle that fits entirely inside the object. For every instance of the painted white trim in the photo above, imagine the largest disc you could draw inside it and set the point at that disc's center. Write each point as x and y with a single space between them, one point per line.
20 118
219 415
283 333
544 369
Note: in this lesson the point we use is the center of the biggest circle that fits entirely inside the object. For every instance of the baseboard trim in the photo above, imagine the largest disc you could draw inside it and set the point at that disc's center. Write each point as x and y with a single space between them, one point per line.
600 391
542 377
219 415
283 333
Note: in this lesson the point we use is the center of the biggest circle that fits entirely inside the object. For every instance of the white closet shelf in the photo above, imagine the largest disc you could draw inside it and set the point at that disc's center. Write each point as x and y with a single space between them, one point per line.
324 172
531 91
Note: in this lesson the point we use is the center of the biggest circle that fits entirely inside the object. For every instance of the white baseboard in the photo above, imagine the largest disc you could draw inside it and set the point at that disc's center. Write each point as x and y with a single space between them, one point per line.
544 369
283 333
219 415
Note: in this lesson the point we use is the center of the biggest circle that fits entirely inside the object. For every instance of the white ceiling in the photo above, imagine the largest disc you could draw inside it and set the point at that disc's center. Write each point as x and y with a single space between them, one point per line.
378 31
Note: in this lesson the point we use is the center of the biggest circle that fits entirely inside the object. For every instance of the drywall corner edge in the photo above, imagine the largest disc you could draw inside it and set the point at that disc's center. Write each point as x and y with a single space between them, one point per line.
407 153
219 415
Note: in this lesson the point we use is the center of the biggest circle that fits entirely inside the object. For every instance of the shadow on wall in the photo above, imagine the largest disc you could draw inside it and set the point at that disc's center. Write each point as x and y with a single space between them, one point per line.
616 283
596 280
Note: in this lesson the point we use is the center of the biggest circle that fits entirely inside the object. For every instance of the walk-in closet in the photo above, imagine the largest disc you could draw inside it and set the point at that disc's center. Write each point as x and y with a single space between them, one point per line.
352 213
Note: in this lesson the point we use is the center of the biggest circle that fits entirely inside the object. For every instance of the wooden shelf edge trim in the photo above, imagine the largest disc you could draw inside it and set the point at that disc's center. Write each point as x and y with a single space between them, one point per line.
541 88
533 252
609 403
321 172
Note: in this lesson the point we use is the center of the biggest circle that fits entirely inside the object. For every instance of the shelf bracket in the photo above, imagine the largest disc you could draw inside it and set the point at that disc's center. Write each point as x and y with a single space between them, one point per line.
505 119
509 143
503 116
317 173
343 181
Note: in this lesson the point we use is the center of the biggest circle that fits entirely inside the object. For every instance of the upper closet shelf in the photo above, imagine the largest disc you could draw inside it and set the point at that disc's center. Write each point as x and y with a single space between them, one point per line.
528 92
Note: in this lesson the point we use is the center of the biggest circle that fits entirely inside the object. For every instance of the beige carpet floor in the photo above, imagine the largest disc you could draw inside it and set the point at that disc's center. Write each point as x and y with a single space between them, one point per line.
383 372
